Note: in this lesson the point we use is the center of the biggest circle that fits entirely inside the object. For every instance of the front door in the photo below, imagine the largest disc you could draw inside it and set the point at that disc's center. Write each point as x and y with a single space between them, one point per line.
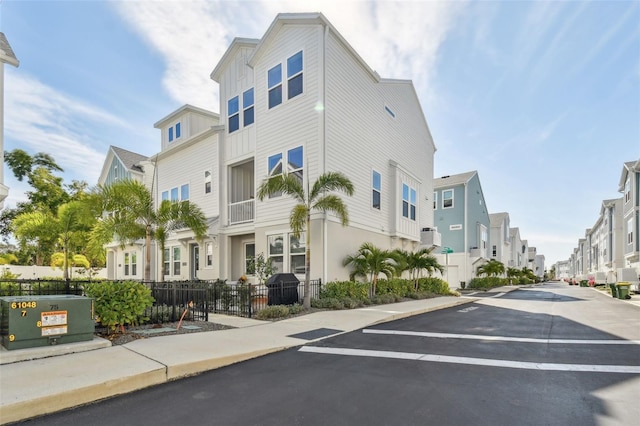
195 261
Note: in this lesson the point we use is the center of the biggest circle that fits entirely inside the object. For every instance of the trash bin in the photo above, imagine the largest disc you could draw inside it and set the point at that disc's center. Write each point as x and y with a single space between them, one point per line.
614 290
282 289
623 290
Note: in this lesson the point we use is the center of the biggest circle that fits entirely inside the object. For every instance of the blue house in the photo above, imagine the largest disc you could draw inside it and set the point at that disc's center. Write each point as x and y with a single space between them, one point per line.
461 217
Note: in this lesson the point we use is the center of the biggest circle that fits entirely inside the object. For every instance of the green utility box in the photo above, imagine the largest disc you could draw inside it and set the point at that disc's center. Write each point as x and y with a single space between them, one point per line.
32 321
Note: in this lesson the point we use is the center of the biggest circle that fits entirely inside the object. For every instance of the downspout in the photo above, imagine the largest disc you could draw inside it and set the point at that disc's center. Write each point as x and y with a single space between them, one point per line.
466 235
323 127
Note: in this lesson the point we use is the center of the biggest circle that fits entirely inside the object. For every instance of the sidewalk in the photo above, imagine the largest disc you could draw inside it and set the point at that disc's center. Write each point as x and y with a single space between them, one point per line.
44 380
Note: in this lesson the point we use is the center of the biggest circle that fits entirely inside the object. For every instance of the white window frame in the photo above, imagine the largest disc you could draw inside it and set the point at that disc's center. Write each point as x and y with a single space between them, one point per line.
435 200
630 231
208 184
288 253
276 85
284 166
208 255
627 190
299 73
444 198
235 113
411 202
375 190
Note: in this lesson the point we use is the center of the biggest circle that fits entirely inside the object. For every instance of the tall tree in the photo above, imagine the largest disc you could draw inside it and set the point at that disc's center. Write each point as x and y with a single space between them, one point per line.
131 215
317 197
370 261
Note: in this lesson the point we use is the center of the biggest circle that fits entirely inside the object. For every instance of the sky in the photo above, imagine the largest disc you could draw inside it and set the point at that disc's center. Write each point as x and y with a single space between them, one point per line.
541 98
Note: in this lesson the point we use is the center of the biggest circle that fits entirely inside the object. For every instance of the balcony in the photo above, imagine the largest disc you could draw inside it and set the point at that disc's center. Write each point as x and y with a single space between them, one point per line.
475 252
430 237
241 212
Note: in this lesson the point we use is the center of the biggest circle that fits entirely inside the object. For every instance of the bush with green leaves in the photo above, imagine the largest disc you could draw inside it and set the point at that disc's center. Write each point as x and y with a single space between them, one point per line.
119 304
486 283
342 289
273 312
433 285
397 286
327 303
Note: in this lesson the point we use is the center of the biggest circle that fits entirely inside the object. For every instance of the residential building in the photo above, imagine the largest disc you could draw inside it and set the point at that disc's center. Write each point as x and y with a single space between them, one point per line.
299 100
499 237
6 57
462 218
539 266
517 259
630 189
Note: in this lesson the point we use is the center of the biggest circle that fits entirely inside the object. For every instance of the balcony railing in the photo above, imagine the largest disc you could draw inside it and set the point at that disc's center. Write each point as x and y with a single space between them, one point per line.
242 211
430 237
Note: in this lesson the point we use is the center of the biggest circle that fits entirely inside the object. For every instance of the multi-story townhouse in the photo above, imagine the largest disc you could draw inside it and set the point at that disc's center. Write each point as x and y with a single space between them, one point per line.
564 270
6 57
299 100
462 219
539 265
531 258
500 242
630 188
515 243
606 242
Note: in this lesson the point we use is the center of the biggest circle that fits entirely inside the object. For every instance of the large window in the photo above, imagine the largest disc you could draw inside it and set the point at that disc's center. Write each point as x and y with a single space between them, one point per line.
233 111
171 261
294 75
376 190
274 81
447 199
289 257
408 202
176 261
294 161
247 107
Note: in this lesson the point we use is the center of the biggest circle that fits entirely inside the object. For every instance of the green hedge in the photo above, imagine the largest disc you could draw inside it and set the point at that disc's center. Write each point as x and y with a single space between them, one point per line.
344 289
120 304
486 283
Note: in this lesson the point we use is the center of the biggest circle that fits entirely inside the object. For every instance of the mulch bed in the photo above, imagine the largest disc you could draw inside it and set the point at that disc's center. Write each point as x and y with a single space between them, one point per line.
118 338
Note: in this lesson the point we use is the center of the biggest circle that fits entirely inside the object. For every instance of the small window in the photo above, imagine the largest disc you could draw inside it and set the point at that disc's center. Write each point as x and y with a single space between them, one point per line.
274 77
165 195
178 132
376 188
170 134
234 114
630 231
390 112
294 75
435 200
249 258
166 258
447 199
409 198
209 254
126 264
276 252
184 192
275 169
247 105
207 182
174 194
176 261
134 263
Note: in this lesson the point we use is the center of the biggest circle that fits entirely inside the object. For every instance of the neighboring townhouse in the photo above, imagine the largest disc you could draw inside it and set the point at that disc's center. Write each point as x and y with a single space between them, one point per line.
606 243
119 164
539 265
630 189
564 270
517 259
499 237
531 259
6 57
462 219
299 100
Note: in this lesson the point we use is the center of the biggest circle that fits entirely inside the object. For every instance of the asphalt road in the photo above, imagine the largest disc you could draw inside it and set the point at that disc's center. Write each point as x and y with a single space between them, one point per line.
545 355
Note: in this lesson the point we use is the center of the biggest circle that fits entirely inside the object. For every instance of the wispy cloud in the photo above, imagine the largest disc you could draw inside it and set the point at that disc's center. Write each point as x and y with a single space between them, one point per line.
41 119
398 39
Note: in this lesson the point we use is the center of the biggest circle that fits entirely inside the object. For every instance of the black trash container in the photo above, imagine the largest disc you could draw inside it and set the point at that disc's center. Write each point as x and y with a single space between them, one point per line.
282 289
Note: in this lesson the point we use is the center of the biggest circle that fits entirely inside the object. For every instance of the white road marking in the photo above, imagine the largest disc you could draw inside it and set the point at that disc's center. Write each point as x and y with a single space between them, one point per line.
499 295
469 309
501 338
540 366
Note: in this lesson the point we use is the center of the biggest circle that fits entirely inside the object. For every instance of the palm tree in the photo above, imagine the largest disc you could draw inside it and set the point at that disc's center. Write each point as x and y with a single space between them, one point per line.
492 268
513 273
70 227
317 197
370 261
132 215
418 261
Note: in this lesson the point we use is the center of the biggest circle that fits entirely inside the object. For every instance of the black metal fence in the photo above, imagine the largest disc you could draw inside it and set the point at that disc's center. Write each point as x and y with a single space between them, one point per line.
173 298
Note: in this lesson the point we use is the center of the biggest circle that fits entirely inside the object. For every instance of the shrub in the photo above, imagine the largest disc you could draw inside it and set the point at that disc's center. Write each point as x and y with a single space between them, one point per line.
274 311
397 286
120 304
433 285
163 313
486 283
342 289
295 309
327 303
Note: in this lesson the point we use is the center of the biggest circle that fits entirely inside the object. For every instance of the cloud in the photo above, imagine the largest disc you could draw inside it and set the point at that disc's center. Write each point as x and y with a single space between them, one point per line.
398 39
41 119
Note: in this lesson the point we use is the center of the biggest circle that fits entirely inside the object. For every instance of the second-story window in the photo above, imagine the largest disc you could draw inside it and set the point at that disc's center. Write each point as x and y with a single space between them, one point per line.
376 189
447 199
627 190
294 162
178 131
274 77
408 202
247 107
435 200
294 75
233 110
170 134
275 169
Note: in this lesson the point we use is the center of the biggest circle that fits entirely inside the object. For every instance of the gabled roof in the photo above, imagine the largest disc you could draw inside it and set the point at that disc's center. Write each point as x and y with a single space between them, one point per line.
128 158
6 52
184 108
496 218
453 180
629 166
236 45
